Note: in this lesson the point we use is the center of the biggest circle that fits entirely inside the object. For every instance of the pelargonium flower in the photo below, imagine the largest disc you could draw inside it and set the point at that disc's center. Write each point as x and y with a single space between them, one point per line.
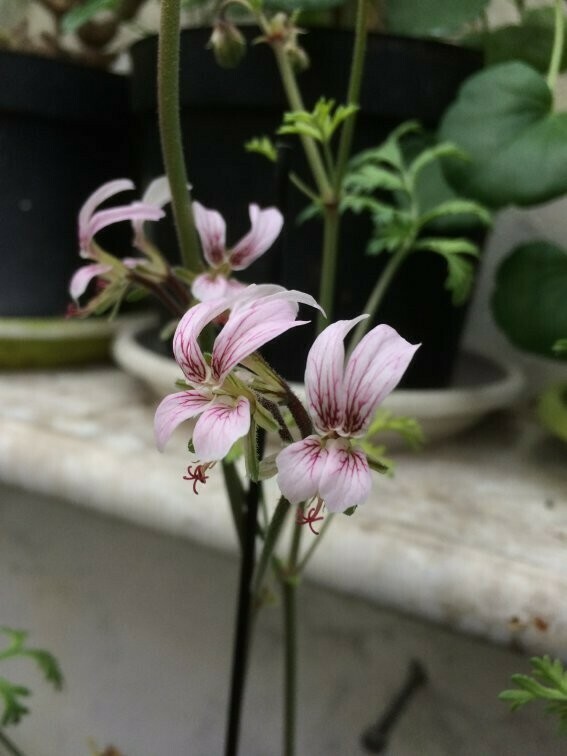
341 401
223 404
92 220
216 282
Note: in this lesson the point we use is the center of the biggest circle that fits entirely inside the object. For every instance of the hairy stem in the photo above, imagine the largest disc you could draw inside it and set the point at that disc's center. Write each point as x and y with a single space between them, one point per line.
331 226
170 133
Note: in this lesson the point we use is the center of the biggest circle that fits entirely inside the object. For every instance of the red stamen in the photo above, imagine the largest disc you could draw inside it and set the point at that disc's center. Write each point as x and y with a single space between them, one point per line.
197 476
311 516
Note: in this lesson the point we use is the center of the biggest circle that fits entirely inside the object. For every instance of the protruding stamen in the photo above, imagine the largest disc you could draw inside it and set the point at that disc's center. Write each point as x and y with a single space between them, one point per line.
310 517
197 475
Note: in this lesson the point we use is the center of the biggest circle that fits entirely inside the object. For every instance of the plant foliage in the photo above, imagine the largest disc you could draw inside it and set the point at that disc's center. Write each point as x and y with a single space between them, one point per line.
548 683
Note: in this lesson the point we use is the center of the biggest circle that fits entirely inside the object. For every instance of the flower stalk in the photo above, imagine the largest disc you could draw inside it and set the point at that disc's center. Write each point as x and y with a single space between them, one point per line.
557 50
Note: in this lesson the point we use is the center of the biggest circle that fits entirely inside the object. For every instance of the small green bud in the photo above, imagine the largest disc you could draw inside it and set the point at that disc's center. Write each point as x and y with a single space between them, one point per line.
227 44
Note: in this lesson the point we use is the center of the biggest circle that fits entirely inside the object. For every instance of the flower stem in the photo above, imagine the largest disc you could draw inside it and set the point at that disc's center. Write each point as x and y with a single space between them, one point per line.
353 94
289 607
244 613
236 497
271 538
170 133
331 225
377 295
9 746
557 50
296 103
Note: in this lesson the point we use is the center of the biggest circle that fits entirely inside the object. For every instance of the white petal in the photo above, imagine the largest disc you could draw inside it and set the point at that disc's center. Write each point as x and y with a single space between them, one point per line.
158 192
186 349
346 480
265 228
173 410
103 193
300 466
83 276
219 427
324 376
136 211
206 287
212 232
374 369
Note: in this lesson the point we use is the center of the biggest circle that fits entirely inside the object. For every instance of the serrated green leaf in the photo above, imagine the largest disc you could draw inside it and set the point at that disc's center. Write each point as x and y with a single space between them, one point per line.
379 210
313 210
460 277
321 123
371 178
81 14
389 151
447 246
434 17
406 427
13 708
433 154
504 119
457 207
262 146
529 302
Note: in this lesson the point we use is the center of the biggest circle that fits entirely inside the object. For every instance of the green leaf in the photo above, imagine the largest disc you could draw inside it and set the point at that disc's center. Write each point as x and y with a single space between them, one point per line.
388 152
321 123
406 427
530 689
80 14
448 246
431 17
530 43
460 270
457 207
530 298
370 178
552 410
432 154
263 146
503 119
13 709
379 210
560 346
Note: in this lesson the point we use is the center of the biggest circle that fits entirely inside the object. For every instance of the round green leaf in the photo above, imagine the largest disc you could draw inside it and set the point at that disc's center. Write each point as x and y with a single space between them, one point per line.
530 300
433 17
503 119
529 43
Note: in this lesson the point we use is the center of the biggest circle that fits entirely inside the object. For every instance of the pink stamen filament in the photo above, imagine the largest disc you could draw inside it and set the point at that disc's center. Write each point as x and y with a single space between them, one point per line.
197 476
312 516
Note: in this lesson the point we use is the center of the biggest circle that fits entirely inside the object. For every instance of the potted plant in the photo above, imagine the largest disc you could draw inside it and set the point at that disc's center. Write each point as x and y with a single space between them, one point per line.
64 128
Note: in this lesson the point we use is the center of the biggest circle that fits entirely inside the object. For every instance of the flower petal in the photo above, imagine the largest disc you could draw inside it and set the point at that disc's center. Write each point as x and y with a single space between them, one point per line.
324 376
83 276
135 212
374 369
206 287
103 193
212 232
300 466
247 329
346 479
219 427
265 228
186 349
156 195
173 410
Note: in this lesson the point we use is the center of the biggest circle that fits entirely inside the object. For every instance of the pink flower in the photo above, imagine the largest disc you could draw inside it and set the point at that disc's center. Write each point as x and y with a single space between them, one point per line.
265 228
342 401
223 404
92 220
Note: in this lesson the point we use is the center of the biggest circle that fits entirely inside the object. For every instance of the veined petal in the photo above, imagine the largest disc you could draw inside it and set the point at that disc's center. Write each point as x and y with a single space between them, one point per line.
136 211
173 410
207 287
97 198
186 349
374 369
220 425
265 228
212 232
247 329
83 276
324 372
300 466
287 300
346 479
157 195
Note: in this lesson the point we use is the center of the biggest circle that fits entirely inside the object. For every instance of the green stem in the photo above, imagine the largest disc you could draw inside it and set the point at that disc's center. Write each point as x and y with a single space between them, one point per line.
331 225
557 51
379 291
9 746
272 534
302 186
353 94
236 497
170 133
289 606
296 103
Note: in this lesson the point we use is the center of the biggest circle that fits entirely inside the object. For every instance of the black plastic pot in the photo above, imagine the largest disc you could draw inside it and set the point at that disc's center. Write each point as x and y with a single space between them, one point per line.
63 132
222 109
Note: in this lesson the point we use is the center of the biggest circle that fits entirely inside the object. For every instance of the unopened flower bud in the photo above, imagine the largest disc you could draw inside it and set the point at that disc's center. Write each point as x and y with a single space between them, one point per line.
297 55
227 44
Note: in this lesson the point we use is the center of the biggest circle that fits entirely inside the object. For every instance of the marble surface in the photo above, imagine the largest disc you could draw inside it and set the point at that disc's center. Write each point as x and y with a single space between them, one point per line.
471 533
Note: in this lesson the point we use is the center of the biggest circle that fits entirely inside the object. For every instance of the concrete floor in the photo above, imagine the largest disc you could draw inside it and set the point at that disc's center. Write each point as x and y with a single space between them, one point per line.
141 624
